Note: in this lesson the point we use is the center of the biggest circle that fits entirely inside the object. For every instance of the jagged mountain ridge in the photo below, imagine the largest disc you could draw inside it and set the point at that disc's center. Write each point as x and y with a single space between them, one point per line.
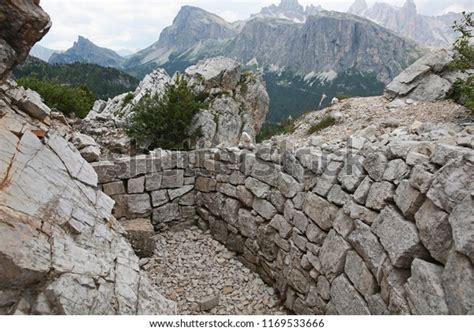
431 31
85 51
326 41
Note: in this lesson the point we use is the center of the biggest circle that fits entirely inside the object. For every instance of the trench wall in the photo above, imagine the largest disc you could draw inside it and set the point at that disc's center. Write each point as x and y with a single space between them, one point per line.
360 230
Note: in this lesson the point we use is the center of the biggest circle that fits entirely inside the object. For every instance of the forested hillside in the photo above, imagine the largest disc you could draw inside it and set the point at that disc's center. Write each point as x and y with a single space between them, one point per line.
104 82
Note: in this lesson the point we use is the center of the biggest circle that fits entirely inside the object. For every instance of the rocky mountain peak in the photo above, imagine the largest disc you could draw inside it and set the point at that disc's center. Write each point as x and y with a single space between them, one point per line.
85 51
358 7
291 5
409 8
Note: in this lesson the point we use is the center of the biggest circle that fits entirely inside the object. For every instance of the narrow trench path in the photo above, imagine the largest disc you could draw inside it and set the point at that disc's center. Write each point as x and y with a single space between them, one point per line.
203 277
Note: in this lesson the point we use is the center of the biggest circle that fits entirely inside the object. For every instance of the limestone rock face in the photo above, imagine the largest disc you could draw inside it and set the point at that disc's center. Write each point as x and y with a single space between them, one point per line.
428 79
61 250
238 104
22 24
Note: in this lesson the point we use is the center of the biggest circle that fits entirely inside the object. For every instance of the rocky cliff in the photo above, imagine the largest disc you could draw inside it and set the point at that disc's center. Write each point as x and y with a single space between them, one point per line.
326 41
428 79
84 51
61 250
431 31
238 105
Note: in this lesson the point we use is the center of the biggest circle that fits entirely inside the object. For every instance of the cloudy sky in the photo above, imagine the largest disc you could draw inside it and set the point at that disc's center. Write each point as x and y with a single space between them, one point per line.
135 24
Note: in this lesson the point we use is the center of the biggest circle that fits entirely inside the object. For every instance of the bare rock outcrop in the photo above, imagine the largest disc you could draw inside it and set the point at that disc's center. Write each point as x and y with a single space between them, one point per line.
428 79
61 250
238 104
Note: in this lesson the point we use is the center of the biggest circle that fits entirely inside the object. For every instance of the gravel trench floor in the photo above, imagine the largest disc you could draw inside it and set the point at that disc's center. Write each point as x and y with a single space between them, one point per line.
203 277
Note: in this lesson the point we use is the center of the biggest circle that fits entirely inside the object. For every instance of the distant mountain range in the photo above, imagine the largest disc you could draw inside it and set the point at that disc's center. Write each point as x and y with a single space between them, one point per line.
307 55
42 53
431 31
85 51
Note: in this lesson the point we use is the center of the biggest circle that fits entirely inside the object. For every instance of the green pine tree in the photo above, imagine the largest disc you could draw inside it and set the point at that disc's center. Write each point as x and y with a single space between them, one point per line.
165 121
463 90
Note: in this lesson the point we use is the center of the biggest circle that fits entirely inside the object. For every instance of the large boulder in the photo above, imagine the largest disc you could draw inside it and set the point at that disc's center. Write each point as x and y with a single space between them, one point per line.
428 79
61 250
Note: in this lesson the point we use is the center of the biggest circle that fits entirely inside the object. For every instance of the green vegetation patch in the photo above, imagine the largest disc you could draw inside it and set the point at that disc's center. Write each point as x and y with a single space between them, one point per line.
66 99
326 122
165 121
462 91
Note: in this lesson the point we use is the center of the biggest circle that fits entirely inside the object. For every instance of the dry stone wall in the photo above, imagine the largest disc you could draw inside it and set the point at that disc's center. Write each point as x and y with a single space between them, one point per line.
369 228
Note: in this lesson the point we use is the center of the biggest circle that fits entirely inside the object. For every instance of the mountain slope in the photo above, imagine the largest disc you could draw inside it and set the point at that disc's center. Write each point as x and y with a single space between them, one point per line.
427 30
328 41
42 53
193 29
84 51
104 82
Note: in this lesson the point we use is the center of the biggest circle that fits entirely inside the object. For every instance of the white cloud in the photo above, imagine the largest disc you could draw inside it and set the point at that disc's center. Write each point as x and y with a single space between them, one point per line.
135 24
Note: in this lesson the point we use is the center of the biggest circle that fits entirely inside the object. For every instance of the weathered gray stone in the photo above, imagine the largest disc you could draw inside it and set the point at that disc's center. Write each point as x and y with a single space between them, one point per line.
424 289
218 229
376 305
458 277
352 173
136 185
179 192
166 214
360 275
452 184
258 188
333 255
245 196
346 300
247 223
399 237
367 246
421 179
264 208
328 179
172 178
288 186
140 233
462 223
360 195
153 182
320 211
114 188
282 226
338 196
415 158
396 171
375 164
209 302
435 230
159 198
298 281
408 199
300 221
444 153
343 224
357 212
230 210
380 195
315 234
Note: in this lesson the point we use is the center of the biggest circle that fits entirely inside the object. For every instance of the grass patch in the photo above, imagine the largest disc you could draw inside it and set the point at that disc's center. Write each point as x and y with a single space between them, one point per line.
326 122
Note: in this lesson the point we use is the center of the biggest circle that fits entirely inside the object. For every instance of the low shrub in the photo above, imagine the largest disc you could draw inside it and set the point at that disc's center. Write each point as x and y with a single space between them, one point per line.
66 99
326 122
